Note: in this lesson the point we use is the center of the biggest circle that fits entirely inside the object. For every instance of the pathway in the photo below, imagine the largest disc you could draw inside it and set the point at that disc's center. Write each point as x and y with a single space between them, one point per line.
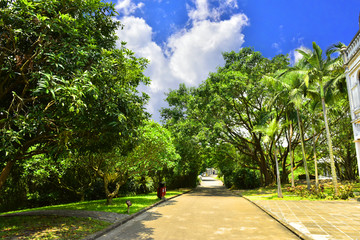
209 212
319 220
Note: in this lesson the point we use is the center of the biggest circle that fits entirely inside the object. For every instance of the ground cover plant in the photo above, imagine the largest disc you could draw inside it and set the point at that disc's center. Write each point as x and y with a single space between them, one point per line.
57 227
300 192
139 202
48 227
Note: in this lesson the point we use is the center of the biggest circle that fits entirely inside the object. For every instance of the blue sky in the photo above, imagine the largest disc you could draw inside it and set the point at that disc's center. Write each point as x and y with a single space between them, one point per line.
184 39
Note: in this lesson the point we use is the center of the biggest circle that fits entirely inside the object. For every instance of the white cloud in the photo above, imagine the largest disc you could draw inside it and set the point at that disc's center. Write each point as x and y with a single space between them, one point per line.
202 10
277 46
188 56
138 35
295 56
197 51
127 7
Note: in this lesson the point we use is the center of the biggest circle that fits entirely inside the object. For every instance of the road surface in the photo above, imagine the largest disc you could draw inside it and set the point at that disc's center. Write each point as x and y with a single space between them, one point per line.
209 212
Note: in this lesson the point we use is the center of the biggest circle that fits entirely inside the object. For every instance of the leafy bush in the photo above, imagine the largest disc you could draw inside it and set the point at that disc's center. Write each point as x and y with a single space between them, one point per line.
317 193
241 178
300 190
345 192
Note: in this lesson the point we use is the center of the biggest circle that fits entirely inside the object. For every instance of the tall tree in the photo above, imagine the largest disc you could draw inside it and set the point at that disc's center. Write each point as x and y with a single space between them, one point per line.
234 104
321 71
153 151
181 119
292 89
63 84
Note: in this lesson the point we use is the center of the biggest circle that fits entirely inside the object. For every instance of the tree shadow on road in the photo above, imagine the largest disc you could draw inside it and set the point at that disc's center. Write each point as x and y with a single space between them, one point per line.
212 192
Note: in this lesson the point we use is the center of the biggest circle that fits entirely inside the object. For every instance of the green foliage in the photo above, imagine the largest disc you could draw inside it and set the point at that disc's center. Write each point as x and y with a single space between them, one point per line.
345 192
303 192
140 202
187 135
152 151
64 86
241 178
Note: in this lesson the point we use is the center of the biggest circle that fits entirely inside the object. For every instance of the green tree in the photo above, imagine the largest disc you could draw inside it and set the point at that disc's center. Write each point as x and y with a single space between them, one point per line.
63 84
322 71
153 151
237 106
293 91
180 118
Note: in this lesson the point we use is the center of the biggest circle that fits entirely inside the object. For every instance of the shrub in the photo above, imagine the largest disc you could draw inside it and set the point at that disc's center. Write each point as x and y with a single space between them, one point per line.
345 192
241 178
246 179
317 193
299 191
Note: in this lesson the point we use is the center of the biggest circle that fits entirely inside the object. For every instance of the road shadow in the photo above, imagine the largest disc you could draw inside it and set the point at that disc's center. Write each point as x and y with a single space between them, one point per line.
134 229
220 191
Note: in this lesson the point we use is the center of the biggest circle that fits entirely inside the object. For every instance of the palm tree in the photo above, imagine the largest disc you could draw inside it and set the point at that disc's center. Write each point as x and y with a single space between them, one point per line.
322 71
294 88
298 90
291 151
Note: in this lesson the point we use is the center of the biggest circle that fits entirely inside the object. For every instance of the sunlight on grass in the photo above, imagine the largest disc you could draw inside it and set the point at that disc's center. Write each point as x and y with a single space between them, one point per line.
55 227
48 227
139 202
270 193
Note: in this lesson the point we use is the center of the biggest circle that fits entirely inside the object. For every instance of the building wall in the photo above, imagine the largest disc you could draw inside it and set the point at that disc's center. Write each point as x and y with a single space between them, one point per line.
353 85
352 64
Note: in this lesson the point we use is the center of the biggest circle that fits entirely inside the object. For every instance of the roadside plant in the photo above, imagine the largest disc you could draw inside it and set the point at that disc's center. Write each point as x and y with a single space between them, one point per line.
302 191
344 192
317 192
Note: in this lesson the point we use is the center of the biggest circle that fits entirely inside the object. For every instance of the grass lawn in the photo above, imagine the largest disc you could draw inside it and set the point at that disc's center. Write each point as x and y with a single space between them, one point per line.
48 227
267 193
270 193
138 202
55 227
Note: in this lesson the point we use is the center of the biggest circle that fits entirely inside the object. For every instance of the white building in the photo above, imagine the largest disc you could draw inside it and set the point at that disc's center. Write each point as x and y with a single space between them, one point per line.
351 56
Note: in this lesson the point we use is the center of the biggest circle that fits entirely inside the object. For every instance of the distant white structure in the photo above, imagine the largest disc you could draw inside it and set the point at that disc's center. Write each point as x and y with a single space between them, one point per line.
351 56
211 171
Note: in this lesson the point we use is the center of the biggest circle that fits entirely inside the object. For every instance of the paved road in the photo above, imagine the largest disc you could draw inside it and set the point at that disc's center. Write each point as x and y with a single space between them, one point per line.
209 212
319 220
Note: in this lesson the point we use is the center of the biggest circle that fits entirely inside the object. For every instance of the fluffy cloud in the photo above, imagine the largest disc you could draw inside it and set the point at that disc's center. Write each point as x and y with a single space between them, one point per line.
295 56
127 7
188 55
202 10
197 51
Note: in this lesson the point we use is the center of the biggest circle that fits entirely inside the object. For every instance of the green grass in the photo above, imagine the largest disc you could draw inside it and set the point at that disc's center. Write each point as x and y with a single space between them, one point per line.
267 193
139 202
48 227
270 193
56 227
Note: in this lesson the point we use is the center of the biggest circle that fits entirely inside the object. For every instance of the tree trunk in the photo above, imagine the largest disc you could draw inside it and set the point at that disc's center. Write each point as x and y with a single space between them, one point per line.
332 162
110 195
285 172
315 161
303 150
5 172
291 156
265 172
82 196
262 163
279 191
350 168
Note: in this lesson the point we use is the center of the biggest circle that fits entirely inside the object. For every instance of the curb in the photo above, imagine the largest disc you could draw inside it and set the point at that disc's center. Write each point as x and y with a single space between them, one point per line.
132 216
284 223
